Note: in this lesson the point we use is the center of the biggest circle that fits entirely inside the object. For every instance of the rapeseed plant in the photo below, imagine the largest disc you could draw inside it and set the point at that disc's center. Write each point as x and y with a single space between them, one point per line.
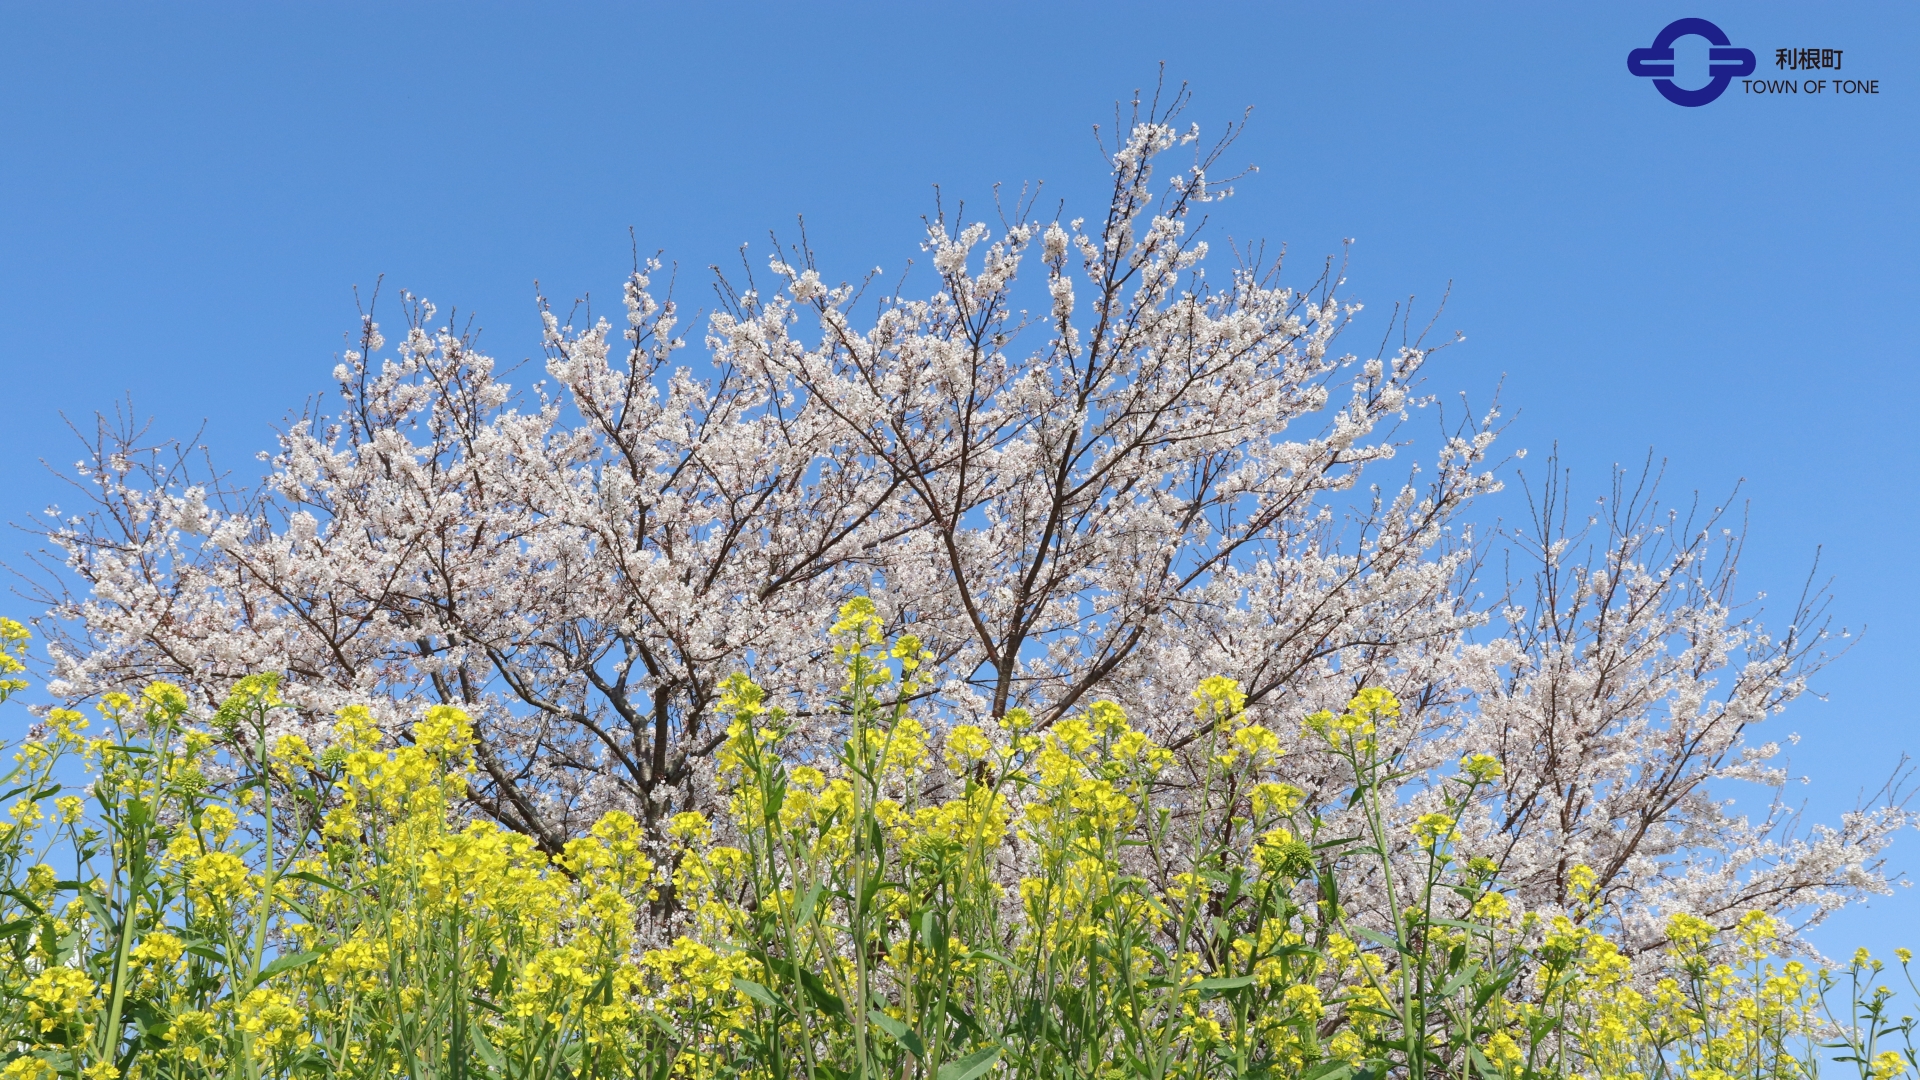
913 904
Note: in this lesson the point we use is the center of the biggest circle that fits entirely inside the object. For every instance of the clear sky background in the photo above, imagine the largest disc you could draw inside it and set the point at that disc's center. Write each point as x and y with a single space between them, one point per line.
188 194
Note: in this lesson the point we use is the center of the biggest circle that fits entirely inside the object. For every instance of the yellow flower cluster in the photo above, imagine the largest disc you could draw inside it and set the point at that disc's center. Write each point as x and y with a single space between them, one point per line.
59 999
1356 726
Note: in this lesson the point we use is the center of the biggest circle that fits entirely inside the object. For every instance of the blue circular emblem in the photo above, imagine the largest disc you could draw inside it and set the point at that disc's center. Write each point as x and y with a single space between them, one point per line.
1726 63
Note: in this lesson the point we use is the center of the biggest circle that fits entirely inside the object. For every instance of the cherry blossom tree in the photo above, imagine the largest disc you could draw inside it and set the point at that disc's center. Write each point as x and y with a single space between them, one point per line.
1149 476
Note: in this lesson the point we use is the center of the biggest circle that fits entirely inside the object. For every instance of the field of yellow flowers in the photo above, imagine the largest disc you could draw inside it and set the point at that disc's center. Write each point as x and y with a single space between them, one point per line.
949 905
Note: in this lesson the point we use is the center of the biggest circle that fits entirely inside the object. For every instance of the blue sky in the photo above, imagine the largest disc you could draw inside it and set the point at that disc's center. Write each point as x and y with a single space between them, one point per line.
188 194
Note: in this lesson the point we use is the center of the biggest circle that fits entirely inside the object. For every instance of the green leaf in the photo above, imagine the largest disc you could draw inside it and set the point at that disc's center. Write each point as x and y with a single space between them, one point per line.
964 1018
489 1056
1234 983
24 901
886 1023
497 985
899 1032
1379 939
871 887
99 912
602 992
312 878
1329 890
989 954
803 913
971 1066
757 992
1460 979
1328 1070
1481 1063
288 963
823 999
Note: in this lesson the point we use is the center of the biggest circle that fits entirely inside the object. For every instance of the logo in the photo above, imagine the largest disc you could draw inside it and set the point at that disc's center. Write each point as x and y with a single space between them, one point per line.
1725 62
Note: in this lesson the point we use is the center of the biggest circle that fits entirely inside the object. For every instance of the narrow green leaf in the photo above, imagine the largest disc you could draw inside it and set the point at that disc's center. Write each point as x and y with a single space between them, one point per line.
988 954
963 1018
757 992
1379 939
1480 1063
823 999
971 1066
99 912
886 1023
312 878
1460 979
899 1032
1328 1070
497 985
1234 983
489 1056
288 963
